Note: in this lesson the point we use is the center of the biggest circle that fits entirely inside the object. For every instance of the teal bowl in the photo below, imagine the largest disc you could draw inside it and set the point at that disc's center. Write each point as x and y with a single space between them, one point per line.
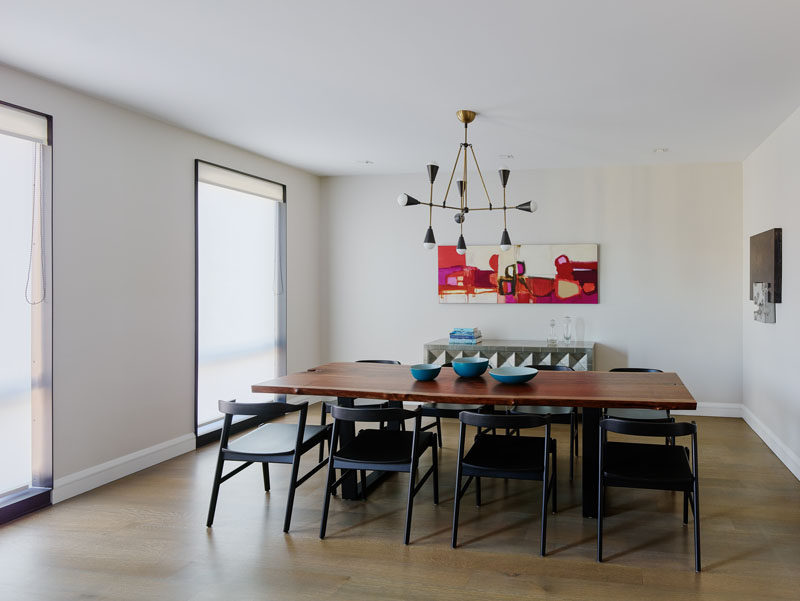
513 375
470 367
425 371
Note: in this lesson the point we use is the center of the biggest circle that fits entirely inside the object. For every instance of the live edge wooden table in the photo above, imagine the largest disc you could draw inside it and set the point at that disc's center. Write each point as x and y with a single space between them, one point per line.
590 390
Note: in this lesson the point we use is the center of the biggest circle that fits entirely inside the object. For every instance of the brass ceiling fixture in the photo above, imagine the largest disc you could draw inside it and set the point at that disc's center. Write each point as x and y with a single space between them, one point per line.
466 117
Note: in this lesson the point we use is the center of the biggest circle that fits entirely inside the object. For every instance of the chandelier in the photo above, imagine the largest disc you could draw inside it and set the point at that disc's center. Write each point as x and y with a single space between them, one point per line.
404 200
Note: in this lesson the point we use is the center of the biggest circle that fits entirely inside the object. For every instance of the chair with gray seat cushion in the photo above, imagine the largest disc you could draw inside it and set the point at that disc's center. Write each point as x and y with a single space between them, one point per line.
269 443
558 415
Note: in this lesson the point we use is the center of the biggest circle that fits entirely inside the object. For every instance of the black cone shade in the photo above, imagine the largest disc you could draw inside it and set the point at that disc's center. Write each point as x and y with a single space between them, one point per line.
404 200
429 241
461 247
525 206
505 240
460 184
432 171
504 173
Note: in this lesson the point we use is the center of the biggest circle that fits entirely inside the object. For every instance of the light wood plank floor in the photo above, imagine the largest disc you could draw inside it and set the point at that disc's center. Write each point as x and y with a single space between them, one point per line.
144 537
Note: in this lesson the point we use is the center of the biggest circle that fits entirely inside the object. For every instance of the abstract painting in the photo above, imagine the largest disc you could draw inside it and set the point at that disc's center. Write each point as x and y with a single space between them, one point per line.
527 274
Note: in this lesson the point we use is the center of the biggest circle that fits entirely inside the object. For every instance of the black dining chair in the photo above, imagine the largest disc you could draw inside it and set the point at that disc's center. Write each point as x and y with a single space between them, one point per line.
653 466
558 415
500 456
445 410
269 443
380 450
364 403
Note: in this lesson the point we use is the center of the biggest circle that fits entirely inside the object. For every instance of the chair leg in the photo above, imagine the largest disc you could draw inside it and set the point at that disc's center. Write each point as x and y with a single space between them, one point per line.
600 509
439 430
323 418
327 499
363 475
696 512
577 438
265 472
543 534
477 491
554 479
435 456
572 443
456 506
292 488
212 508
412 477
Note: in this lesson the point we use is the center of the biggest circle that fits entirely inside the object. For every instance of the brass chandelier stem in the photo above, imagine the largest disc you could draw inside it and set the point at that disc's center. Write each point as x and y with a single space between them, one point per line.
450 183
474 158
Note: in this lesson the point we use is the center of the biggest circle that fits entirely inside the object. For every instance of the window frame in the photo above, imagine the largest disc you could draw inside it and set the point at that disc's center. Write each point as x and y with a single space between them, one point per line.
39 494
211 432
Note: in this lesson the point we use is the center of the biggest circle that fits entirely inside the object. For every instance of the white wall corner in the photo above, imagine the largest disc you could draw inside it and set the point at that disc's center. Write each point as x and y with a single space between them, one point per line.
784 453
98 475
714 410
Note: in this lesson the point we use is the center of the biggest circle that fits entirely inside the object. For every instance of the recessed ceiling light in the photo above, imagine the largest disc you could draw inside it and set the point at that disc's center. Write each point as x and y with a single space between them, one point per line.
660 150
366 162
505 157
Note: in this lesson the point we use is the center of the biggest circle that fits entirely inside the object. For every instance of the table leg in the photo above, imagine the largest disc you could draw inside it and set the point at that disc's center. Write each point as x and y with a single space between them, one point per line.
591 424
347 432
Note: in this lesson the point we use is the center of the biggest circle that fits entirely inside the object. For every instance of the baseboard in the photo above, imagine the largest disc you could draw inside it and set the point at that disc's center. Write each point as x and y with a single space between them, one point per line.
784 453
714 410
98 475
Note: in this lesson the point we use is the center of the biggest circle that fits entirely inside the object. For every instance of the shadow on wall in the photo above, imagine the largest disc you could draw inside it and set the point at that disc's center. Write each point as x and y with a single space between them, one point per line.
607 357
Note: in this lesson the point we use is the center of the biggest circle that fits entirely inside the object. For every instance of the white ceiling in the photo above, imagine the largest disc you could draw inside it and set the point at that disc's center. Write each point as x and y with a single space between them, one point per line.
326 84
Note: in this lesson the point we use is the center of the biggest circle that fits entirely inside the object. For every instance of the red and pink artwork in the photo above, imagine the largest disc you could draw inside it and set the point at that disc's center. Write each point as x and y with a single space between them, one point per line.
528 273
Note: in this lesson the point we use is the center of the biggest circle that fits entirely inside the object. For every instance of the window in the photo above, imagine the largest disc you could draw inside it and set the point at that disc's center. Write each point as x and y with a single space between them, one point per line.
241 297
25 311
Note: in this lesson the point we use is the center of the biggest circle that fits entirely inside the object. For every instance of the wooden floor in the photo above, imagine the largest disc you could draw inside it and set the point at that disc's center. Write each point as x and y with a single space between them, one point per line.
144 537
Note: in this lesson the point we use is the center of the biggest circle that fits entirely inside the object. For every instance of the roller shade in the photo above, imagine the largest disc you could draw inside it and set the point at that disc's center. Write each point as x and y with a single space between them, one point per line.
218 176
23 124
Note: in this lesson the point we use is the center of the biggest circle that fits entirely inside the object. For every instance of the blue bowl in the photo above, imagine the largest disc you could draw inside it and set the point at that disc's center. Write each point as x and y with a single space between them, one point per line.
425 371
513 375
470 367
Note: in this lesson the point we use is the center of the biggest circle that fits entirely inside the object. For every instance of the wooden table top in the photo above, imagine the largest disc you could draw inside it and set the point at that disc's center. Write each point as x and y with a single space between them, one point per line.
577 388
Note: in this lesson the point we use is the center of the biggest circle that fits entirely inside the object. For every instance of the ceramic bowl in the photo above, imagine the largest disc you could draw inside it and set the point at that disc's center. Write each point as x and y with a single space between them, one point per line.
425 371
513 375
470 367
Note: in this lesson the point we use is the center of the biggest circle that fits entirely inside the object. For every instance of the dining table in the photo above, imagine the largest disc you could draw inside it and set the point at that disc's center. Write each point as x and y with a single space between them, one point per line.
592 391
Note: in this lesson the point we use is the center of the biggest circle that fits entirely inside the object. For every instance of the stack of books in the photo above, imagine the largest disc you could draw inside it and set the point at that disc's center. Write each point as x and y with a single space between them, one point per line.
466 336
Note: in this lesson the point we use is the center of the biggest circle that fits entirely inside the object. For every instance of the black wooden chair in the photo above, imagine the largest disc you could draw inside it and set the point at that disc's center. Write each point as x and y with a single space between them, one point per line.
558 415
653 466
500 456
269 443
380 450
440 410
362 403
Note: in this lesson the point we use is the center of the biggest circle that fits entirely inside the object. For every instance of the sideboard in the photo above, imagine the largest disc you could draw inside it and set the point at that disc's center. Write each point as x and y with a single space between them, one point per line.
577 355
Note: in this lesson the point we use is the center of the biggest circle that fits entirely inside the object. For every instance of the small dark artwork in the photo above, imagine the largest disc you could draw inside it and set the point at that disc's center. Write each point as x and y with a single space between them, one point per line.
765 261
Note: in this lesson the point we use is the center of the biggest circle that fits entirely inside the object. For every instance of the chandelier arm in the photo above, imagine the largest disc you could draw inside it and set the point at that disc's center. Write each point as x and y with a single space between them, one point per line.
474 158
505 225
450 183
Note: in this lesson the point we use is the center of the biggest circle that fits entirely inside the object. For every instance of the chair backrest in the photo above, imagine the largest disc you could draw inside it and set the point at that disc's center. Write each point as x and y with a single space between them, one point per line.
551 367
368 414
634 427
264 410
448 364
649 370
502 420
386 361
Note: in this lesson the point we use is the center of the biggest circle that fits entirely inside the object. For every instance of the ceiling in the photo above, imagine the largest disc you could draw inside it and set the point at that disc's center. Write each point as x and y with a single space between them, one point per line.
326 85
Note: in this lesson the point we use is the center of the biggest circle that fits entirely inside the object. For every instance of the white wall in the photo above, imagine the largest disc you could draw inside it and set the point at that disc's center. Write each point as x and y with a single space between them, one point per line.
670 268
771 389
124 278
